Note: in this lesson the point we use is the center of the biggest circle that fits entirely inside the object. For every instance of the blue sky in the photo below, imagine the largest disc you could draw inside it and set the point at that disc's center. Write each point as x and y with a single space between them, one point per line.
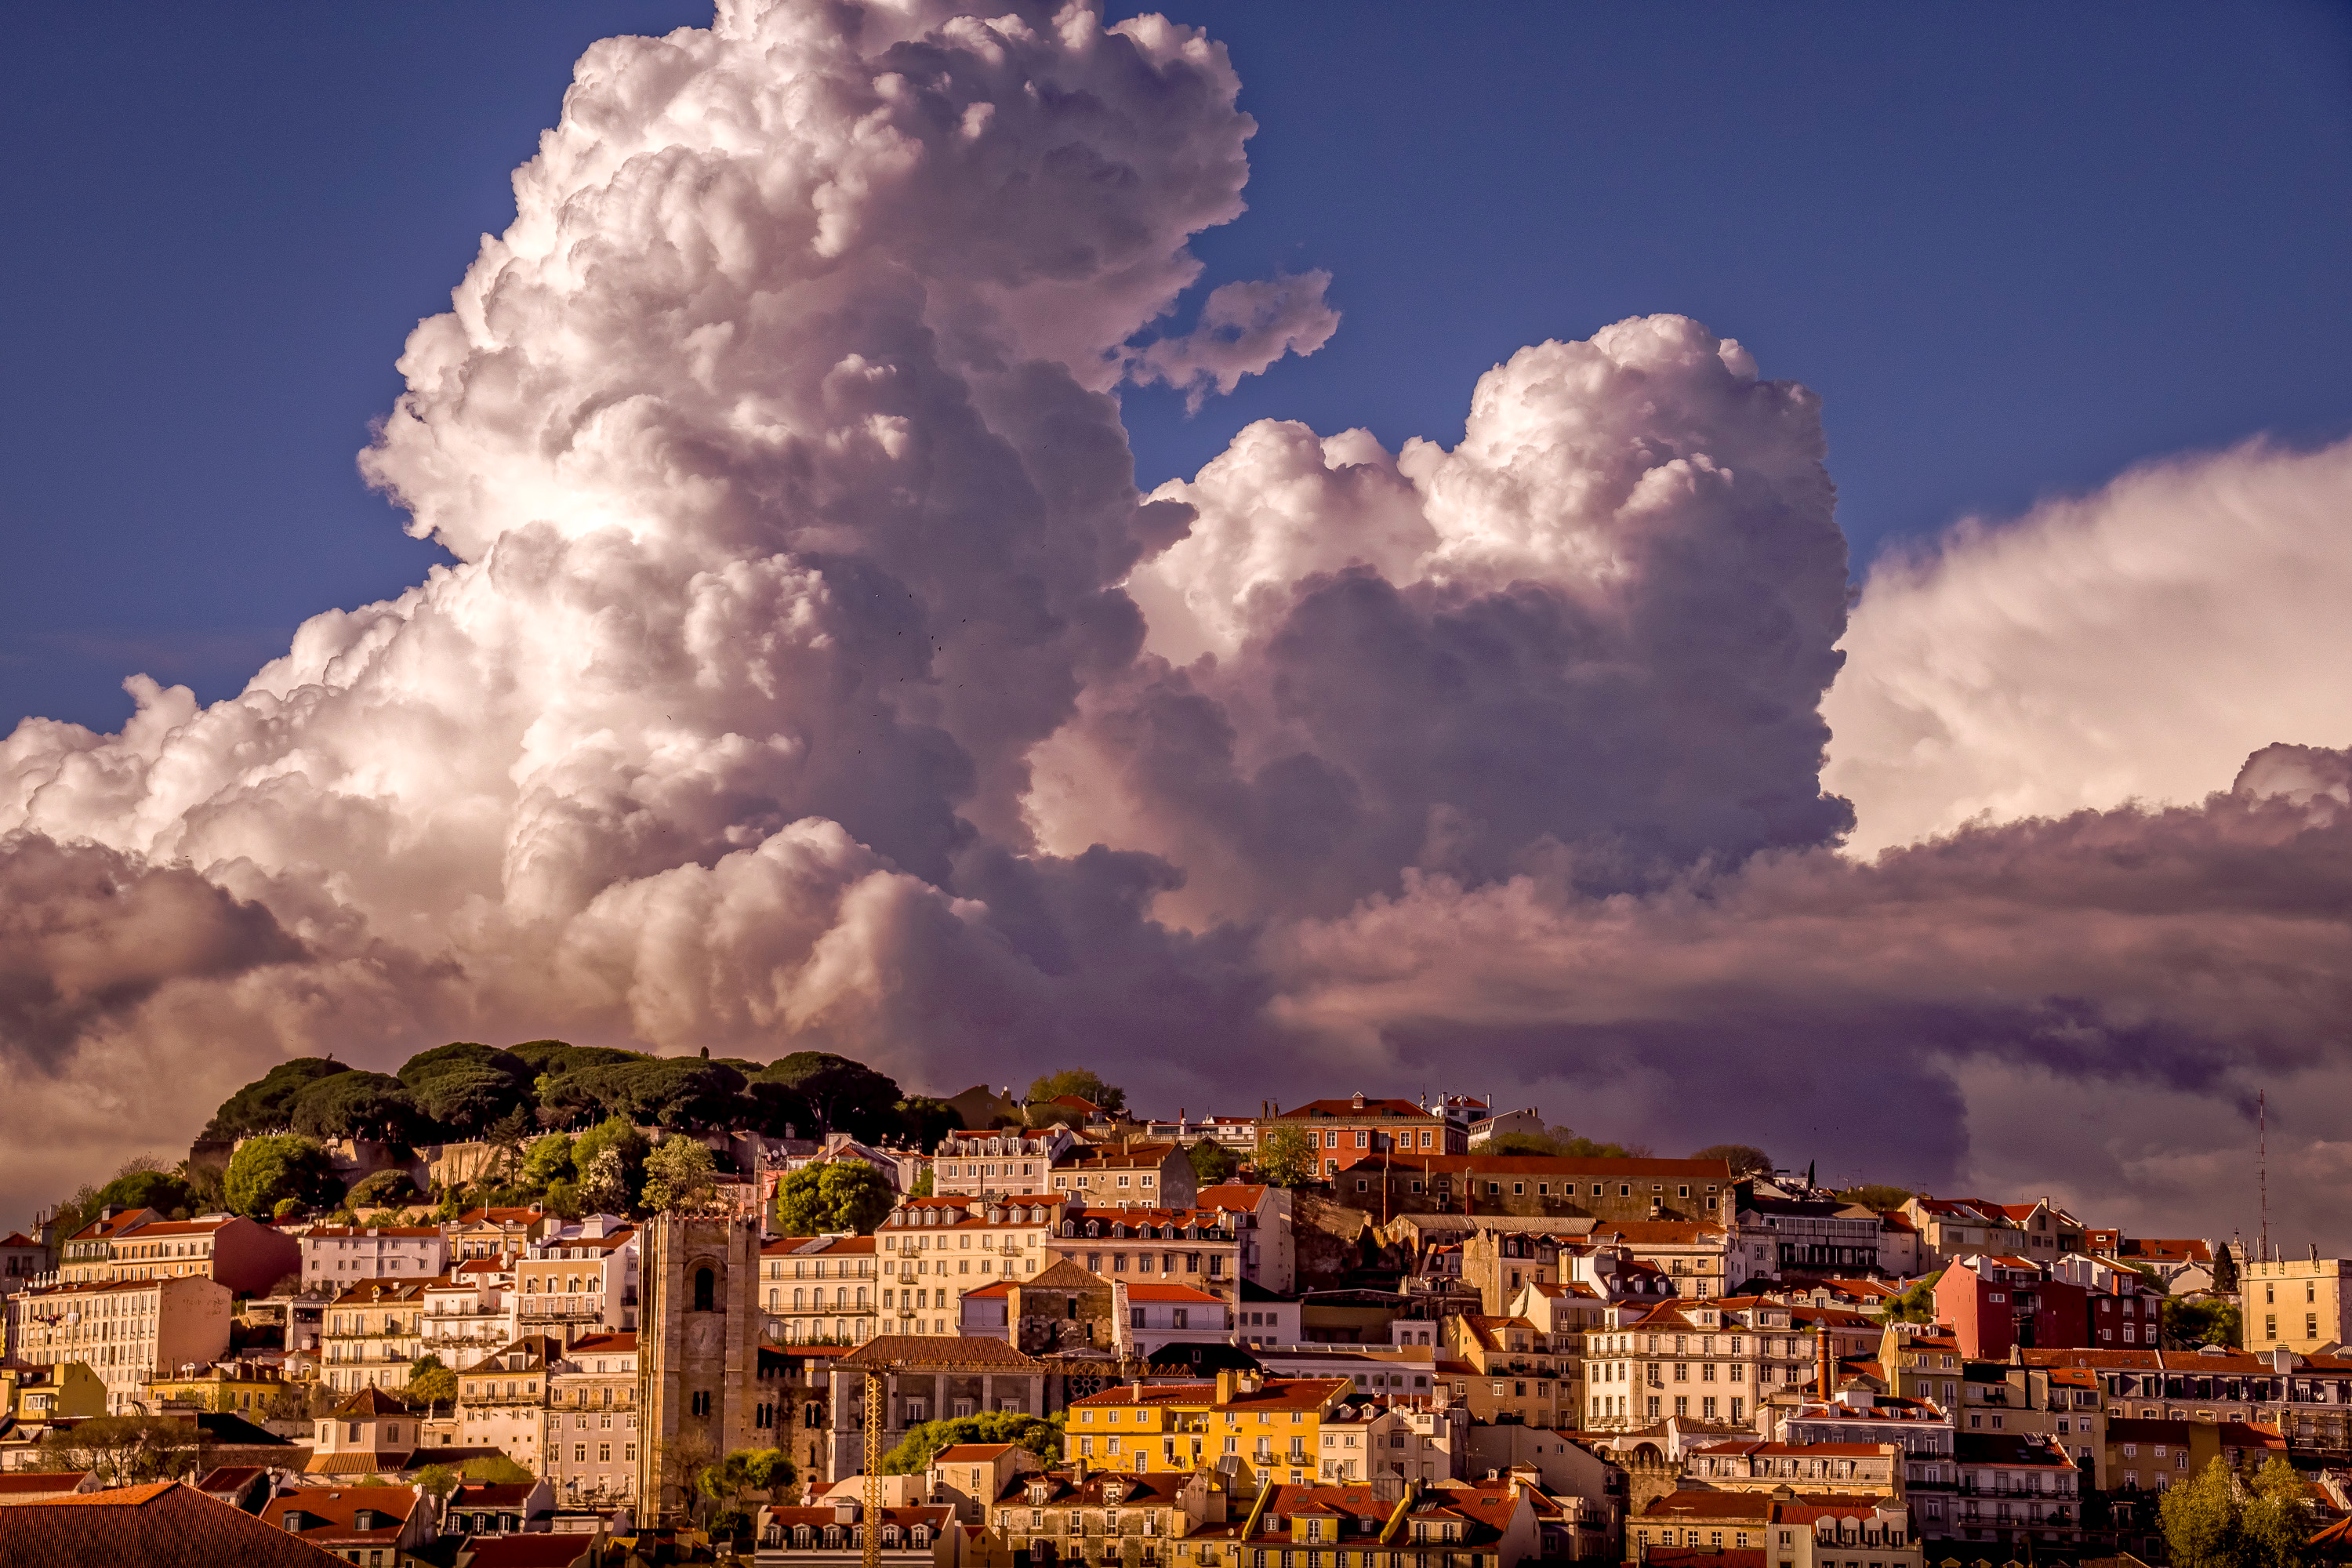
2015 248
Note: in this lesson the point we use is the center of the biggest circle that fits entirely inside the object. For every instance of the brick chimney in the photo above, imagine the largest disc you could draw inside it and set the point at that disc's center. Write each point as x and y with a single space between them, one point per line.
1829 1363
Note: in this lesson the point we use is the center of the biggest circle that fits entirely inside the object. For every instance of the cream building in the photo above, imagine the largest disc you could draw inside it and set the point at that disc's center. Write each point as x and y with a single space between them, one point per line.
373 1334
592 1421
929 1251
820 1290
2299 1303
126 1331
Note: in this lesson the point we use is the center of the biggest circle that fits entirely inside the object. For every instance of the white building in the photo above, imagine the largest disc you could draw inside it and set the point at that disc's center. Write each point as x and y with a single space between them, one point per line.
470 1311
1160 1315
339 1256
125 1331
579 1280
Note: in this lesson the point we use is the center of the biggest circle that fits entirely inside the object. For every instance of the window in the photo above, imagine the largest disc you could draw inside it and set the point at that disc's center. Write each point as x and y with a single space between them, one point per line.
706 1291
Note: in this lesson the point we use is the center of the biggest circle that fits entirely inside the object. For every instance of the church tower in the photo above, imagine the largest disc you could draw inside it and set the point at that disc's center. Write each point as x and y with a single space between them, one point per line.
699 1338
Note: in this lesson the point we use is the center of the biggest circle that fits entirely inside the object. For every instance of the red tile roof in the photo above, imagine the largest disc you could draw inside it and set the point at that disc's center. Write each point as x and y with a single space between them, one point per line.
1348 1111
166 1524
1171 1293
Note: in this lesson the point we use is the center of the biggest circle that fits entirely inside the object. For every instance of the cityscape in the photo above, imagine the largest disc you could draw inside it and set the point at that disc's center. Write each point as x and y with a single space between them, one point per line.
812 782
1049 1327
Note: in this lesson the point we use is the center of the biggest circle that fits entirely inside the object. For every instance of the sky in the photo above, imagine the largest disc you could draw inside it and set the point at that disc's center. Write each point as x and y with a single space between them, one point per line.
2015 250
1777 583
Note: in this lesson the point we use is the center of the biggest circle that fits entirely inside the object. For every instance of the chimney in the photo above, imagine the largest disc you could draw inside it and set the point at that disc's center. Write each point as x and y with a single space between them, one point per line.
1224 1385
1359 1102
1829 1361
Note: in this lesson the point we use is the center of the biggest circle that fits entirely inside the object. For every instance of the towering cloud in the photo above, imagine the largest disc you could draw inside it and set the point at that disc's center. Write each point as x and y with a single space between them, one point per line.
812 672
2135 644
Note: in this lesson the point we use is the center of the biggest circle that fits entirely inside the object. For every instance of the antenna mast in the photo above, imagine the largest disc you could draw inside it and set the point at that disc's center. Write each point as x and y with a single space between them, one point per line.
2262 1167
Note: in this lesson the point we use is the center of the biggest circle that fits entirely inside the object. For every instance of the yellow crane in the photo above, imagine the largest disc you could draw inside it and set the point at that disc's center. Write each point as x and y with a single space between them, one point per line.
884 1355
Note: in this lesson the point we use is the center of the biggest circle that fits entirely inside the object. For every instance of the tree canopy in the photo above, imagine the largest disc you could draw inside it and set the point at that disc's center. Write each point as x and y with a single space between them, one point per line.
832 1196
266 1104
1876 1195
1286 1157
840 1095
2193 1321
681 1176
1083 1083
1745 1158
1564 1143
286 1169
1211 1162
914 1452
2217 1520
355 1104
161 1191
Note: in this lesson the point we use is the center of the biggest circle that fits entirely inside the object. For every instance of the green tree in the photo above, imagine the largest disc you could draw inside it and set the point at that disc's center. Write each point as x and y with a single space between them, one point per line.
1877 1196
125 1450
914 1452
769 1470
1745 1158
2225 1272
1286 1157
1917 1303
1211 1162
384 1189
462 1088
924 1120
430 1383
841 1095
2217 1520
548 1161
286 1168
681 1177
439 1481
2193 1321
832 1196
148 1189
496 1470
926 1185
356 1105
266 1104
1564 1143
1083 1083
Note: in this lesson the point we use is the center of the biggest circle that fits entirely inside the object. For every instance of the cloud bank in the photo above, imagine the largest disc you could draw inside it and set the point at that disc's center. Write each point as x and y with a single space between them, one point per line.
812 673
2136 644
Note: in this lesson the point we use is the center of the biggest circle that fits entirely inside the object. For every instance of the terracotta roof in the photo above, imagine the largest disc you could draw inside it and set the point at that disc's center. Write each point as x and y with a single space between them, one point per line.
1703 1556
1273 1393
1348 1111
1757 1506
382 1292
971 1453
166 1524
540 1550
601 1344
331 1515
920 1351
491 1494
1171 1293
370 1401
1550 1166
45 1482
1232 1195
18 1239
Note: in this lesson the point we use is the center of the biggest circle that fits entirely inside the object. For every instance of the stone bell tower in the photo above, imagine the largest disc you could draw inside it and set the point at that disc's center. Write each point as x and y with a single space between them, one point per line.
699 1338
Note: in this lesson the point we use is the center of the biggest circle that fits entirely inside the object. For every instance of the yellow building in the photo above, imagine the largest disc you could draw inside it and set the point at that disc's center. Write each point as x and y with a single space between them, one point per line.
242 1387
1274 1423
2298 1303
39 1393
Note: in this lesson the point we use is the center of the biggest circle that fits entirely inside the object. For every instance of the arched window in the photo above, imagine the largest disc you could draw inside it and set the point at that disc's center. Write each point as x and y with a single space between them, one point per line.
705 1289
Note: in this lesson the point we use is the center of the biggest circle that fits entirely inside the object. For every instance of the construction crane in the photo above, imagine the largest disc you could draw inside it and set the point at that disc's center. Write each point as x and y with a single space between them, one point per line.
884 1356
